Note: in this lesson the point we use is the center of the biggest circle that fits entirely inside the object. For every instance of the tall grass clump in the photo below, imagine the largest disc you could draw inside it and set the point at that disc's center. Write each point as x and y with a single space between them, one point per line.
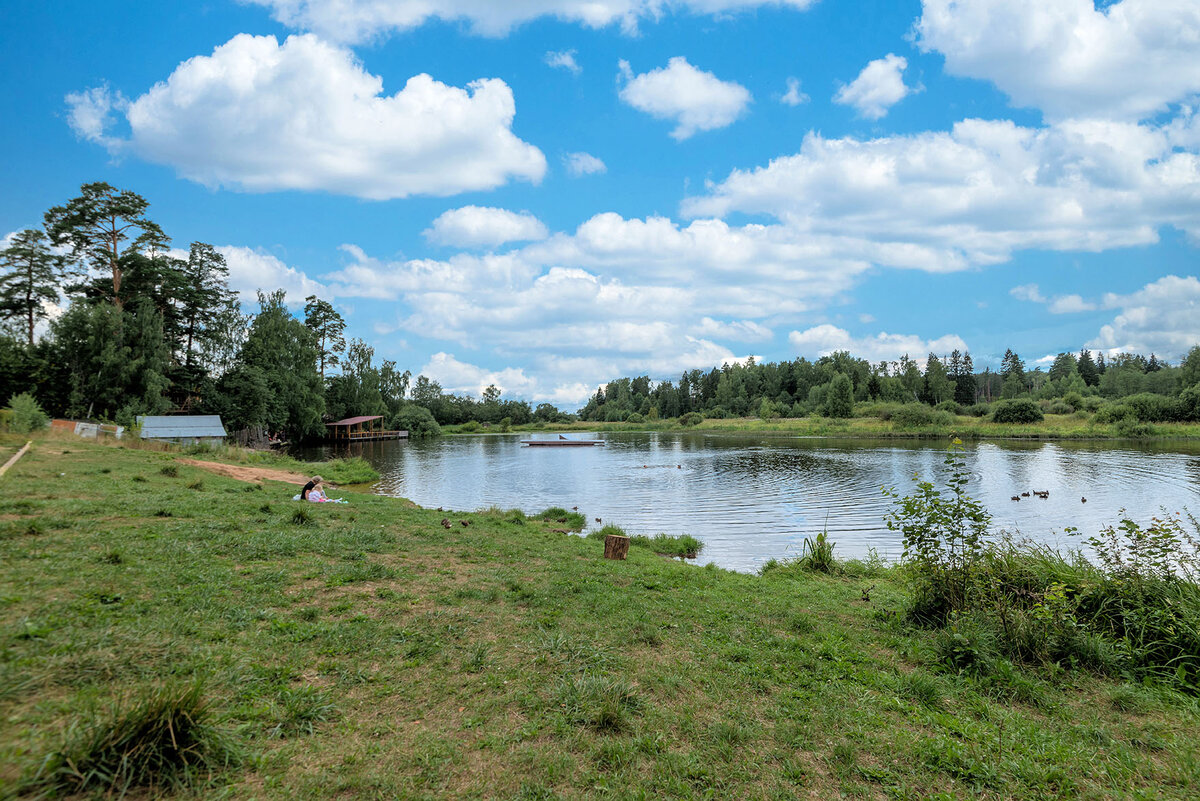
684 546
162 741
818 553
572 521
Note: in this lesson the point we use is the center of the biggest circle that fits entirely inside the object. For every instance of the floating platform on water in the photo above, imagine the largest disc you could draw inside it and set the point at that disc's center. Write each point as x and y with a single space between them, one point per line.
561 442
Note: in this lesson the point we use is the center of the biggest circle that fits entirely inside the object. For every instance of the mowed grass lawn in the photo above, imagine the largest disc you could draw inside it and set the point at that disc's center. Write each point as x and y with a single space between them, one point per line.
370 652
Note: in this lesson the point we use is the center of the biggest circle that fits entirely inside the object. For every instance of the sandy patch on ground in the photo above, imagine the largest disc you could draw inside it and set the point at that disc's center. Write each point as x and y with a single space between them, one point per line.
257 474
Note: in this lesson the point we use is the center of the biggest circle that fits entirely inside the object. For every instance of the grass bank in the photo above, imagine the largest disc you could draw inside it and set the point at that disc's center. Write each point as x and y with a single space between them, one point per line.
354 470
1054 427
380 650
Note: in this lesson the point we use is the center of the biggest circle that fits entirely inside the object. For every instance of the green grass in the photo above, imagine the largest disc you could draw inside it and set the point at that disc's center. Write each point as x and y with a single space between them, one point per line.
373 653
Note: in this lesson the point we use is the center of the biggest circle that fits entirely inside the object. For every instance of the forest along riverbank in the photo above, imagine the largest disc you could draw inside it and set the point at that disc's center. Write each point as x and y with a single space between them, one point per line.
281 641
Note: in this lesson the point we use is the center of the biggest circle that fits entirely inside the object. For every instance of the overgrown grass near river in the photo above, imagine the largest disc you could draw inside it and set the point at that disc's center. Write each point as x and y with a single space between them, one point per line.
377 649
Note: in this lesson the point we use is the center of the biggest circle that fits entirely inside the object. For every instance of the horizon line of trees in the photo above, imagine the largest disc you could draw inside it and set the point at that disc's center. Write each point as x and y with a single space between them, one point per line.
831 385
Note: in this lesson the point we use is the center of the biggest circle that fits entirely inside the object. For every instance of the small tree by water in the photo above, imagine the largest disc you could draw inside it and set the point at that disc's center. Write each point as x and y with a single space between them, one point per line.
943 539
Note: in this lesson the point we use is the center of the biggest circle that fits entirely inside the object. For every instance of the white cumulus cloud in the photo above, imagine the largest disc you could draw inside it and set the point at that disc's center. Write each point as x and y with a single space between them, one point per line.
1163 317
360 20
251 271
877 88
481 226
579 164
824 339
974 194
695 100
262 116
1125 60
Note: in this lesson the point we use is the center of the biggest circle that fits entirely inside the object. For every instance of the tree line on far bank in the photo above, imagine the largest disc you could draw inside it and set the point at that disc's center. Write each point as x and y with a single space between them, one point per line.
1126 387
150 330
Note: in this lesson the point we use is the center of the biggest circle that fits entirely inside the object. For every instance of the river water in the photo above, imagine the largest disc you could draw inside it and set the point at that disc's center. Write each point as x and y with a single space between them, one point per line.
751 498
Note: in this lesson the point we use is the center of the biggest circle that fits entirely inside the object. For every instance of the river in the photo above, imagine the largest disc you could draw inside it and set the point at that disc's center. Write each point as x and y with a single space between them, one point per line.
751 498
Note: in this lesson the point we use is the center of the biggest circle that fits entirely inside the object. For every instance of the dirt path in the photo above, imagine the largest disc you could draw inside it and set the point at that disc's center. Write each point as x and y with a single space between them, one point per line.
248 473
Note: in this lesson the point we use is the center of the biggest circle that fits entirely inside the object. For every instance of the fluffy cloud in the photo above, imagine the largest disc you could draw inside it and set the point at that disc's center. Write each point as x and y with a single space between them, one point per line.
460 377
253 270
563 59
737 330
877 88
1060 304
1028 292
695 100
479 226
1070 304
579 164
1162 317
1068 57
974 194
824 339
305 115
793 96
359 20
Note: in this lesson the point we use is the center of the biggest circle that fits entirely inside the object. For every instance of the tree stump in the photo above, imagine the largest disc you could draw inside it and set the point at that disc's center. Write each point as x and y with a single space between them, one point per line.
615 546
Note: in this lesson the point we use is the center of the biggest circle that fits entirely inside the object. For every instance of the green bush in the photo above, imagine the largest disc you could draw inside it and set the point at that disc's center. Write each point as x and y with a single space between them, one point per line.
1074 400
1059 407
25 415
1092 403
1189 404
1114 413
690 419
418 421
949 406
1017 410
979 410
469 427
1148 407
635 418
918 415
1132 429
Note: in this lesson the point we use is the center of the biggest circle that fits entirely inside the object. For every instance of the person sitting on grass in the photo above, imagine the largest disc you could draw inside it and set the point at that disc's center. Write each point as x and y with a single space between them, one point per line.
315 481
317 494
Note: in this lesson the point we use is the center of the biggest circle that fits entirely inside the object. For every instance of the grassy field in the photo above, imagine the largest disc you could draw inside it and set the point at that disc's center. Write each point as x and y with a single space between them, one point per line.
371 650
1055 426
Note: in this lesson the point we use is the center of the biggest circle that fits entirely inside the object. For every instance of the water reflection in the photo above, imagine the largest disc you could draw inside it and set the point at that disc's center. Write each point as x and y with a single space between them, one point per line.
752 498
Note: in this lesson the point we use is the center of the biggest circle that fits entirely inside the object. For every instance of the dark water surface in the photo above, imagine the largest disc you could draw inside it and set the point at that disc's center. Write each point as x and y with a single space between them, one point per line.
751 498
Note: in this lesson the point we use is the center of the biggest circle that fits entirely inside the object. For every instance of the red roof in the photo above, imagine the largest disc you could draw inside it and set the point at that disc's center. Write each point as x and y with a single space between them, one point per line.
350 421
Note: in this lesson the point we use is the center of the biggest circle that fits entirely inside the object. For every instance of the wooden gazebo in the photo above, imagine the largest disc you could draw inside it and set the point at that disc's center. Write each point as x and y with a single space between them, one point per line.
361 429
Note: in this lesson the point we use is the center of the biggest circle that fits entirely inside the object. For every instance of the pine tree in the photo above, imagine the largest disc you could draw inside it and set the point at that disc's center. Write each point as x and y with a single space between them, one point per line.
31 277
96 224
327 327
1087 368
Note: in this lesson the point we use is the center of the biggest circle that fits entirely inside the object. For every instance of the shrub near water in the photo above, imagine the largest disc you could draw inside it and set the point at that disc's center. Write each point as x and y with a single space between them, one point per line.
1137 612
1018 410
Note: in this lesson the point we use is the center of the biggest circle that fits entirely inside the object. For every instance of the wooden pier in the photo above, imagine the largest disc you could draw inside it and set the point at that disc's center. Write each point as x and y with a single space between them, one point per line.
361 429
561 442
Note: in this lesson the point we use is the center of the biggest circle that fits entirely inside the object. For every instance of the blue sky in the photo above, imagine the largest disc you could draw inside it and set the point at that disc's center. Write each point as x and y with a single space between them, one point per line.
547 194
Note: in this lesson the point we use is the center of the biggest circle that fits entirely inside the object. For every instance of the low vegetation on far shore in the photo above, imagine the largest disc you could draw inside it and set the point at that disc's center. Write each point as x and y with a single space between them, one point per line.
167 631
